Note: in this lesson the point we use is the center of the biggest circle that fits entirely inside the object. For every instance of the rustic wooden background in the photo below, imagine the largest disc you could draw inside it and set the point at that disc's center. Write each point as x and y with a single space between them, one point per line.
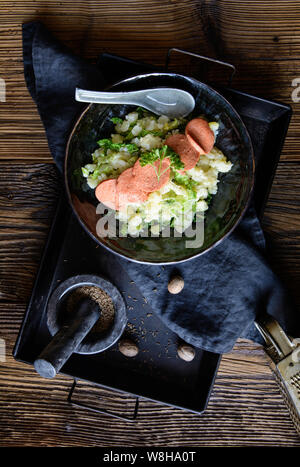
262 39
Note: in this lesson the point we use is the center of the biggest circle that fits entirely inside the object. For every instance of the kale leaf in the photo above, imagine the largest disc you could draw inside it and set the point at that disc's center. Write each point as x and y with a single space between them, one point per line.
108 144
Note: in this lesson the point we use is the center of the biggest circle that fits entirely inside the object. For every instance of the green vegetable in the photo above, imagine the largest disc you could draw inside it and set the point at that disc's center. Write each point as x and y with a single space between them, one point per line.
108 144
187 182
85 172
158 155
152 132
175 161
116 120
170 201
150 157
131 147
209 198
140 111
172 125
143 112
95 174
104 143
129 136
96 156
153 156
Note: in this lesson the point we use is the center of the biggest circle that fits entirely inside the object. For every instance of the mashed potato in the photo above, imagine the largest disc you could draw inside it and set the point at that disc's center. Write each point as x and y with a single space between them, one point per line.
181 198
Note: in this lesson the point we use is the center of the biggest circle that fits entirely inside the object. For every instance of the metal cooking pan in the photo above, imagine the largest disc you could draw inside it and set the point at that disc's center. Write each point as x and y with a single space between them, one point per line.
227 206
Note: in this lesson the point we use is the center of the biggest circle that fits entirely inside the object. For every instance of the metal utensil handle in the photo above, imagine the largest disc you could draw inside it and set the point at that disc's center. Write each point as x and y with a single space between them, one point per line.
292 408
102 411
203 58
284 362
274 335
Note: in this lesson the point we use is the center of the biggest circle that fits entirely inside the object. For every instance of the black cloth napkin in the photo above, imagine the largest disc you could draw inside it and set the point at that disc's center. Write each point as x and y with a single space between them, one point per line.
227 287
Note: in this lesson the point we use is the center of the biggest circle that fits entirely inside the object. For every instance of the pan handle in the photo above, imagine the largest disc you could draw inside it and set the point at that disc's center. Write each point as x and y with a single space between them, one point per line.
201 58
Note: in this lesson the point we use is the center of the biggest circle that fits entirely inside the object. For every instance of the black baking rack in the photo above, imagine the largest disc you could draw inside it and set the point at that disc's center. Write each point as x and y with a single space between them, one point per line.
156 373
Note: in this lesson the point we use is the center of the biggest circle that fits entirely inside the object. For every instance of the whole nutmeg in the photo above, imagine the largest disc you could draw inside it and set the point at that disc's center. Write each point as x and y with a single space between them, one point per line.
186 352
128 348
176 284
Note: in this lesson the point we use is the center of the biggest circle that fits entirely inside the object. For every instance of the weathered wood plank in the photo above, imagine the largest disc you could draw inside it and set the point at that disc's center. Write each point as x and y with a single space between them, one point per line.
282 226
202 27
245 409
253 29
28 195
256 28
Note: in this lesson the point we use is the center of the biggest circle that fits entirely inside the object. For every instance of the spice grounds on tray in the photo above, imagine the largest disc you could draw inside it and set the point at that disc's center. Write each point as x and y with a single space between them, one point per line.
102 298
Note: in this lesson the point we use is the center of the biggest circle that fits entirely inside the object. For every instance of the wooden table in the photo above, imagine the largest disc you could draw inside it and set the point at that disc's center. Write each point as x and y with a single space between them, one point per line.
262 39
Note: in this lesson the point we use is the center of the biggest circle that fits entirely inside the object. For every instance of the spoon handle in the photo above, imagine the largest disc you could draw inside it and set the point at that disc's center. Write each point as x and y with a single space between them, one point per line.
99 97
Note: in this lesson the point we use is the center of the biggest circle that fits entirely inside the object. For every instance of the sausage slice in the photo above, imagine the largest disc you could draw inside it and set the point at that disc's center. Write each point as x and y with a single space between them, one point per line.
188 155
146 178
200 135
106 193
128 191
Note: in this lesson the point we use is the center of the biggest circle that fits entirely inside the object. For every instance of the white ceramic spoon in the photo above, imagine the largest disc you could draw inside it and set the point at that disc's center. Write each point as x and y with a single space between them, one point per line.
171 102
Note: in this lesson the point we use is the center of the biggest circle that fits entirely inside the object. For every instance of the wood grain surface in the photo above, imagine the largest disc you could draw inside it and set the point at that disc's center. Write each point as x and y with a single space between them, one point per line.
262 39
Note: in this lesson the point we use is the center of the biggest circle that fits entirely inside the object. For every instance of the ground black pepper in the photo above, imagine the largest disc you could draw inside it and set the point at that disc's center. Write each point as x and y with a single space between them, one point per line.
102 298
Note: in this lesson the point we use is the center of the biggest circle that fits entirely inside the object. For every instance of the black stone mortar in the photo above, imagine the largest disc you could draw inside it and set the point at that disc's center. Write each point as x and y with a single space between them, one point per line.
94 341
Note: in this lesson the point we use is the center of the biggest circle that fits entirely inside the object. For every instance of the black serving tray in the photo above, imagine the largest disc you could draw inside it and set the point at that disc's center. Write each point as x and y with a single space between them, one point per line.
156 373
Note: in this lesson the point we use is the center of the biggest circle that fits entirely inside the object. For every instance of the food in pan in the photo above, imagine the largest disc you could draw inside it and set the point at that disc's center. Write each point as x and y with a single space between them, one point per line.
155 171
